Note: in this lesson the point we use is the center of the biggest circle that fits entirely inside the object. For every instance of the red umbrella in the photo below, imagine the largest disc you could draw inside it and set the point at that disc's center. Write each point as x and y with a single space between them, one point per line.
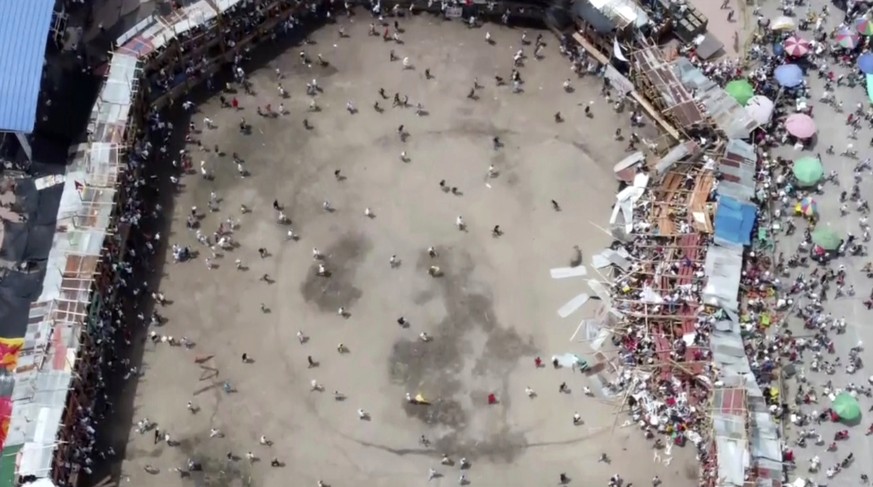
797 46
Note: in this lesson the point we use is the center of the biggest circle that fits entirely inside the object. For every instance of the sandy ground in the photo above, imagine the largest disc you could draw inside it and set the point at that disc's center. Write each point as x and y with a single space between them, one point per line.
490 314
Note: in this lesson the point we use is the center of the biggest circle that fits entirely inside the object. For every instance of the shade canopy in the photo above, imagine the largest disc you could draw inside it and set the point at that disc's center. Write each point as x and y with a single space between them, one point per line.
740 90
846 407
826 239
808 171
847 38
788 75
797 46
800 125
865 63
760 108
783 23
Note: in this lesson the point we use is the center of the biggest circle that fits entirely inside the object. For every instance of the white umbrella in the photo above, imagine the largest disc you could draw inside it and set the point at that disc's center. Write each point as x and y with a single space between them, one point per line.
760 108
783 23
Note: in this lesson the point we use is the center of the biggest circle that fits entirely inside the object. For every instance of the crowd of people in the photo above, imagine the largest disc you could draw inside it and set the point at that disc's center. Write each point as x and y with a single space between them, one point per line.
790 330
794 310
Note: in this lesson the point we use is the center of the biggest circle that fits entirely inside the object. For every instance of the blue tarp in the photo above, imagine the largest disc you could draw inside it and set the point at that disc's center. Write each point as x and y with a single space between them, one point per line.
24 28
734 221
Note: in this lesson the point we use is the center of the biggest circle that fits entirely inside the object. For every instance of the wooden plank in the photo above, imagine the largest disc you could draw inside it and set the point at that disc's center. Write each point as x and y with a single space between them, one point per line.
652 112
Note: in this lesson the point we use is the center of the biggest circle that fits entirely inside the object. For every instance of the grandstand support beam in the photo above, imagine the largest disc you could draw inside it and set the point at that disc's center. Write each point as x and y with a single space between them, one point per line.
25 145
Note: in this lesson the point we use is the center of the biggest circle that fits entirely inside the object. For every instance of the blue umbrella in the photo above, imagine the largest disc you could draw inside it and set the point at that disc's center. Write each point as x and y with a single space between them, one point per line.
865 63
778 49
788 75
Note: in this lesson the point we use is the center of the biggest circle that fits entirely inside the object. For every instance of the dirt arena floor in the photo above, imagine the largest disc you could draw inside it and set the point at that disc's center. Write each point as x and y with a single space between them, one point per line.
490 314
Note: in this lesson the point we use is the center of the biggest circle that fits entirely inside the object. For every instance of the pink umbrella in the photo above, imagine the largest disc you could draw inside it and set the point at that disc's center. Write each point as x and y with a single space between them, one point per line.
797 46
800 125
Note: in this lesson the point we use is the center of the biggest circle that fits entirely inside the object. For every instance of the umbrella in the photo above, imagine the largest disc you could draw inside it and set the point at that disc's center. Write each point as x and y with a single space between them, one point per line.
778 49
864 26
760 108
828 240
808 207
808 171
800 125
788 75
846 407
741 90
783 23
848 39
865 63
797 46
870 87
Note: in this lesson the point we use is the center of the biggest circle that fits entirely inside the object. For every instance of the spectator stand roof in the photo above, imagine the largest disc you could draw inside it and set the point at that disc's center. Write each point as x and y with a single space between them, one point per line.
737 167
24 29
734 222
33 393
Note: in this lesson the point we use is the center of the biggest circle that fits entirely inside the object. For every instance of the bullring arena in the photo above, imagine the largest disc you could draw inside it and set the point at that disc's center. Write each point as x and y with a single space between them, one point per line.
370 289
490 313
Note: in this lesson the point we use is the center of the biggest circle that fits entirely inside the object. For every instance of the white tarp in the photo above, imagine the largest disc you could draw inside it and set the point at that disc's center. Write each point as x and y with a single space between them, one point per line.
565 272
610 257
616 48
568 360
626 199
572 305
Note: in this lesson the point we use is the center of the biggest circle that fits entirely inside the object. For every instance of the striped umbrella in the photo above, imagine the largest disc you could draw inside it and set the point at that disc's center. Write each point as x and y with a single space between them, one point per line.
848 39
797 46
808 207
864 26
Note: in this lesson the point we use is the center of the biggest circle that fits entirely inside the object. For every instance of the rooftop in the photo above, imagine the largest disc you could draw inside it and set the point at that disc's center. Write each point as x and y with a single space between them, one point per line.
24 29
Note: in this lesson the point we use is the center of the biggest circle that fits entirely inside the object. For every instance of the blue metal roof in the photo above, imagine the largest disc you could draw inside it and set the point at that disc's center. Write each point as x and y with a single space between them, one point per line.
734 221
24 28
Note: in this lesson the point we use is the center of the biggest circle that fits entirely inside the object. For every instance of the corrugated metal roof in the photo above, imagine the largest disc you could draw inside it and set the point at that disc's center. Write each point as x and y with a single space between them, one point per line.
24 28
594 17
734 221
666 80
737 167
723 267
726 113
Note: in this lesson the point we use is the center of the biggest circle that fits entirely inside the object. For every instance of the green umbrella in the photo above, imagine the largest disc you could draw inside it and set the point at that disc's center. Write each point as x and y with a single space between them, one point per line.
741 90
847 407
808 171
826 238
